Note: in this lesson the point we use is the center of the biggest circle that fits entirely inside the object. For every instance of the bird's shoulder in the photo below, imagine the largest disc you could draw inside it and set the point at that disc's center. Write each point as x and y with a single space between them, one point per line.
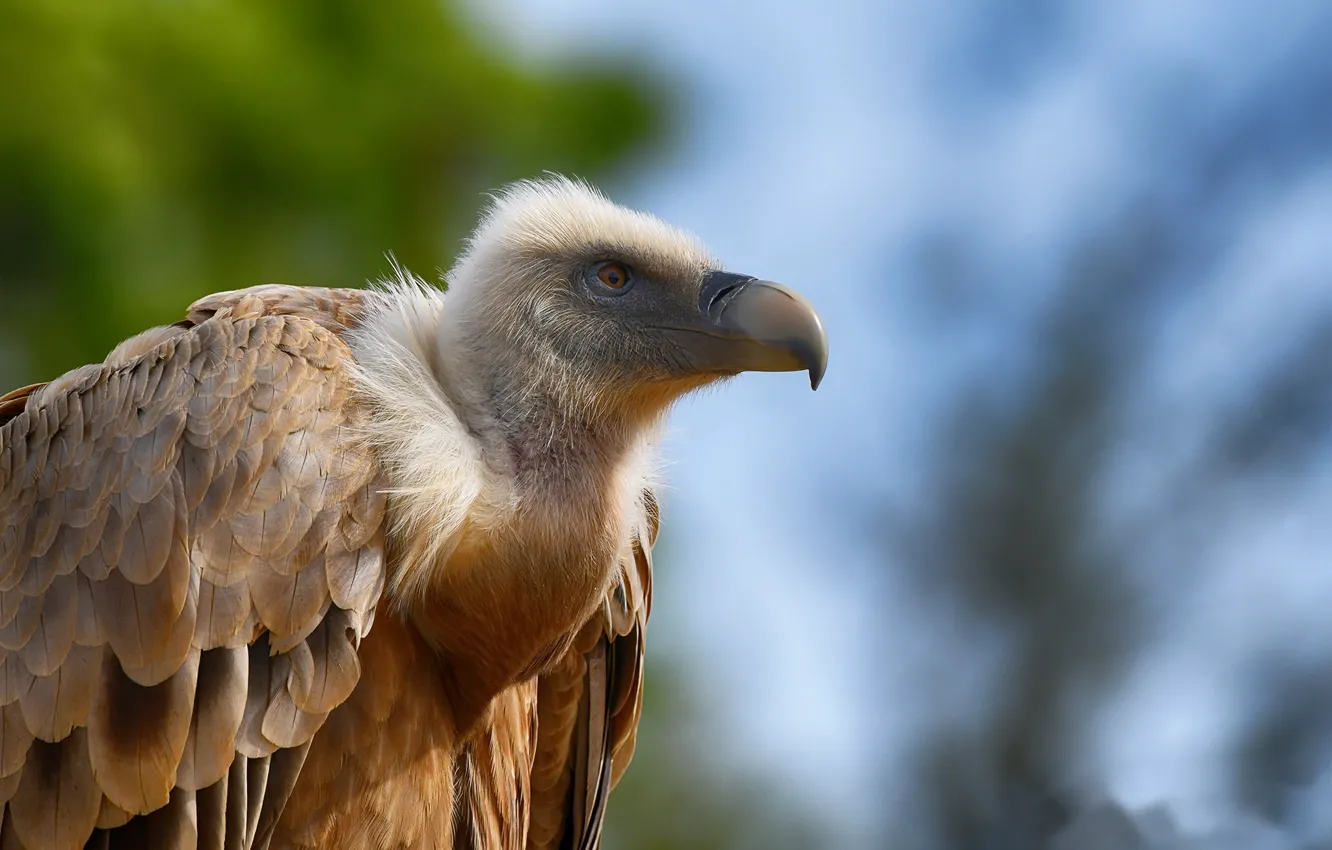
337 310
334 309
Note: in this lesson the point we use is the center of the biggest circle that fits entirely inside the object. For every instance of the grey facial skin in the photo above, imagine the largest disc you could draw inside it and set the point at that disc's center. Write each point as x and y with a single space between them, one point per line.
672 322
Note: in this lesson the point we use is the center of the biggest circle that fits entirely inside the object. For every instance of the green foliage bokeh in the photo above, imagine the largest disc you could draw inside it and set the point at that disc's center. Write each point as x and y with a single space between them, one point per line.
152 152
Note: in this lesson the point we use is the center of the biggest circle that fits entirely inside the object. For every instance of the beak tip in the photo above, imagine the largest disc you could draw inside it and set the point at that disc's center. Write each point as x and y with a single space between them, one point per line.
816 354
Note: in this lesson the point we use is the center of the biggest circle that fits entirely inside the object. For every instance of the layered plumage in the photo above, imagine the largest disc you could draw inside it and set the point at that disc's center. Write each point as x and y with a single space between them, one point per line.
345 568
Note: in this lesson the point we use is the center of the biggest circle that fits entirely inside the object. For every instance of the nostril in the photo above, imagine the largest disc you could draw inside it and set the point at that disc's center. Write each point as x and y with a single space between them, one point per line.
718 290
718 302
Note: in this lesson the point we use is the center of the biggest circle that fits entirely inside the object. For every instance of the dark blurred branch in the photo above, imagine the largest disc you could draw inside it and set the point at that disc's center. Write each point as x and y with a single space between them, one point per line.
1015 542
1288 738
1015 548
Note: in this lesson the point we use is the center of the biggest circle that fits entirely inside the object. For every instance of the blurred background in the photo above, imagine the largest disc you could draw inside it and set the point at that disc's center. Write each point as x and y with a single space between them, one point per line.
1046 562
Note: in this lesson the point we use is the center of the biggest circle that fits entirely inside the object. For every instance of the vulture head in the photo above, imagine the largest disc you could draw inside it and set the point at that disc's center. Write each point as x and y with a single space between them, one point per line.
515 413
566 297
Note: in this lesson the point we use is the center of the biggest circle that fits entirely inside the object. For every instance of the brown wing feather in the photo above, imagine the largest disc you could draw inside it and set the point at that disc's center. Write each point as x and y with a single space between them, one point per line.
13 402
588 706
168 520
494 771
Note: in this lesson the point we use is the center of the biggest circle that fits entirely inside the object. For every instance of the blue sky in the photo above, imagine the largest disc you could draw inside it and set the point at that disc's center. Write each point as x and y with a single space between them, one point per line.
820 141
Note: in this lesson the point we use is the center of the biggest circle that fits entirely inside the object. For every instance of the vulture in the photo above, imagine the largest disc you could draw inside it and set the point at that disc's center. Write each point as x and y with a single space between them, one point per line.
362 568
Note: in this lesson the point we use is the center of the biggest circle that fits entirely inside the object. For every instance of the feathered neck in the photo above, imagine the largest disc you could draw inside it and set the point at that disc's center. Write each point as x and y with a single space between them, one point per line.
463 440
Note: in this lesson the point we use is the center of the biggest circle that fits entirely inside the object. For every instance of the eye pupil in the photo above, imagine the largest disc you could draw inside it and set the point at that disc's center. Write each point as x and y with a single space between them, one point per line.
613 275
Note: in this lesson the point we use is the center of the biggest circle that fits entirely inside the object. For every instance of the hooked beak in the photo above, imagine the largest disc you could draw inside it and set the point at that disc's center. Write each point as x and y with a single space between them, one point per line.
749 325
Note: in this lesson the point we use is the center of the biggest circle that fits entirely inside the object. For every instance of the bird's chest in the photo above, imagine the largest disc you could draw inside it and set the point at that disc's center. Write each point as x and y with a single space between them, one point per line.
510 599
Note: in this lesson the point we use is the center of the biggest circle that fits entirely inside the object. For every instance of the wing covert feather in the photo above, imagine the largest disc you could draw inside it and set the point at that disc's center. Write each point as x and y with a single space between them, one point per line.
191 551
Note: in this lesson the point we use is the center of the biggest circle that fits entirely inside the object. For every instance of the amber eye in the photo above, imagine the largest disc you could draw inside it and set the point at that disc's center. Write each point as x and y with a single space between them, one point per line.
613 275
